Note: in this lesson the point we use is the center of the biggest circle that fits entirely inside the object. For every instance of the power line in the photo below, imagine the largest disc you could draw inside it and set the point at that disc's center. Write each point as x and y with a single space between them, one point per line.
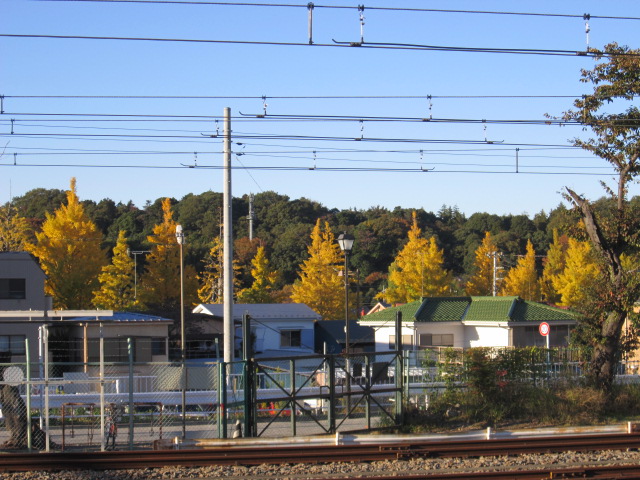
314 168
394 9
285 97
283 137
367 45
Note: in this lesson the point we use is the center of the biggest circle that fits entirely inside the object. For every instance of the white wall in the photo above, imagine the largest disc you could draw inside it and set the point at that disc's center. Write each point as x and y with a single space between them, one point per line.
463 336
479 336
456 329
267 333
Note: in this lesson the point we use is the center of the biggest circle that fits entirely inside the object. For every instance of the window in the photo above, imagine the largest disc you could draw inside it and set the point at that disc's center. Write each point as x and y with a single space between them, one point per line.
436 340
13 289
158 346
407 342
290 338
13 344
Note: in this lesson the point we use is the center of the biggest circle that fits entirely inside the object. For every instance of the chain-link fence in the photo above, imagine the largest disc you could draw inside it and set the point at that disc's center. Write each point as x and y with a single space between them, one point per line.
116 402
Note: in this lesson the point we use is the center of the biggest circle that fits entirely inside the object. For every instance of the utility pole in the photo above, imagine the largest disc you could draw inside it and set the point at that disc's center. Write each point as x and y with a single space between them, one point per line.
227 244
251 217
495 256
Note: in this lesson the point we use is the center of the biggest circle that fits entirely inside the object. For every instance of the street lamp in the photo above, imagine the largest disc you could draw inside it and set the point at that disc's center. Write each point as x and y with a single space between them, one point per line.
180 240
346 244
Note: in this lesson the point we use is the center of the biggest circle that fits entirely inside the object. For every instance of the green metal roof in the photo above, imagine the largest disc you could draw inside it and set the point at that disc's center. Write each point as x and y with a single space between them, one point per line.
484 309
539 312
389 314
474 309
443 309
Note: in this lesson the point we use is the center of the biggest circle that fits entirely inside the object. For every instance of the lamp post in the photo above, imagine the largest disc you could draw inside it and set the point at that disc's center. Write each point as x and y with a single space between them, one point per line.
346 244
183 353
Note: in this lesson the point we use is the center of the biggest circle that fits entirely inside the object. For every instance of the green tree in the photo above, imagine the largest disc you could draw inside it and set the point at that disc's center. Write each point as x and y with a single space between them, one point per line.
319 286
35 204
68 248
117 290
616 83
15 233
554 264
575 283
264 280
417 270
522 280
482 281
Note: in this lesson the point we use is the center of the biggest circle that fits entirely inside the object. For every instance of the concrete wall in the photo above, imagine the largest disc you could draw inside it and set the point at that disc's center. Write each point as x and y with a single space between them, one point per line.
481 336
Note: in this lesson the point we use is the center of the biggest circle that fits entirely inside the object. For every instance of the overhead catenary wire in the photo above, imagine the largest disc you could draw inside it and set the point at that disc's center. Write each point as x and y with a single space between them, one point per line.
283 137
301 168
351 7
338 44
285 97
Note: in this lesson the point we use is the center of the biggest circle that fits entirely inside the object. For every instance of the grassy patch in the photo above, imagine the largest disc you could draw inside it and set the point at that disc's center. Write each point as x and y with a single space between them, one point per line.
525 405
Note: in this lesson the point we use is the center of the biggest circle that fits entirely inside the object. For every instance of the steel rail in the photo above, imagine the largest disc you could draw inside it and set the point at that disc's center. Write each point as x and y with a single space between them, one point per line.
135 459
542 473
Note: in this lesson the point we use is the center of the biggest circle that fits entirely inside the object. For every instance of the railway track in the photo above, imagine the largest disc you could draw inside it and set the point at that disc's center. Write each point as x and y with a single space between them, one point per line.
609 472
316 454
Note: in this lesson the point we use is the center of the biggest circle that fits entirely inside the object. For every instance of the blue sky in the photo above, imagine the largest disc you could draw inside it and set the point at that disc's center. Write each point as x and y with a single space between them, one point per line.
474 169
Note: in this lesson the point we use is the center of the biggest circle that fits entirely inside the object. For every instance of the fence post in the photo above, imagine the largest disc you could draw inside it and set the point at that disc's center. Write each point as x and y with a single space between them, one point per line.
28 393
222 400
46 389
131 408
367 411
398 373
292 403
331 412
102 439
249 384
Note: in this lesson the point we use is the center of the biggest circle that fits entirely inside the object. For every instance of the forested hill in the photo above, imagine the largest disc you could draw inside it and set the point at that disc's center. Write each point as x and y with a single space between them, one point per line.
283 225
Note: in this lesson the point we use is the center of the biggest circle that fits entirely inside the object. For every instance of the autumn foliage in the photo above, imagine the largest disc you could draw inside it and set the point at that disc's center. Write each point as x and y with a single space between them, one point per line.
69 251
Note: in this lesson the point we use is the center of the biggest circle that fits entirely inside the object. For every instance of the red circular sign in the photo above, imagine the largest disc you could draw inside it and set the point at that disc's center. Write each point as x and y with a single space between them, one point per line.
544 329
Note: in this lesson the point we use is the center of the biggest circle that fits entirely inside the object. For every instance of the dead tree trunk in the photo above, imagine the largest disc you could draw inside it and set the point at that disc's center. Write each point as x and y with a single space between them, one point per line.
607 348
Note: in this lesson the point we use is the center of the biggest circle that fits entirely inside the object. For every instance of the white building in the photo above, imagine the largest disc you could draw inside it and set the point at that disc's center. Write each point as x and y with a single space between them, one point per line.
465 322
279 329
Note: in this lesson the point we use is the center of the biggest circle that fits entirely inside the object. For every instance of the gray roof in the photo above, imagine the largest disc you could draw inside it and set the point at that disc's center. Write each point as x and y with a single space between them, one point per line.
20 257
123 317
261 310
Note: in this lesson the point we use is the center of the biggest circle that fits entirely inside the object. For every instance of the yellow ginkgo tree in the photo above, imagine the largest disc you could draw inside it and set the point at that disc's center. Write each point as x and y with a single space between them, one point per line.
417 270
485 280
69 251
117 288
14 231
320 287
160 282
211 288
554 264
522 280
579 274
264 280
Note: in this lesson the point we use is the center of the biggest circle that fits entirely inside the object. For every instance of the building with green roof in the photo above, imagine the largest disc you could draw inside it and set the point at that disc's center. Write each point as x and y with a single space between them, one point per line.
467 322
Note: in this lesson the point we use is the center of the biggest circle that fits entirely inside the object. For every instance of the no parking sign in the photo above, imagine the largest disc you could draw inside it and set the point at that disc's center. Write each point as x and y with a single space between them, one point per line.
544 329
